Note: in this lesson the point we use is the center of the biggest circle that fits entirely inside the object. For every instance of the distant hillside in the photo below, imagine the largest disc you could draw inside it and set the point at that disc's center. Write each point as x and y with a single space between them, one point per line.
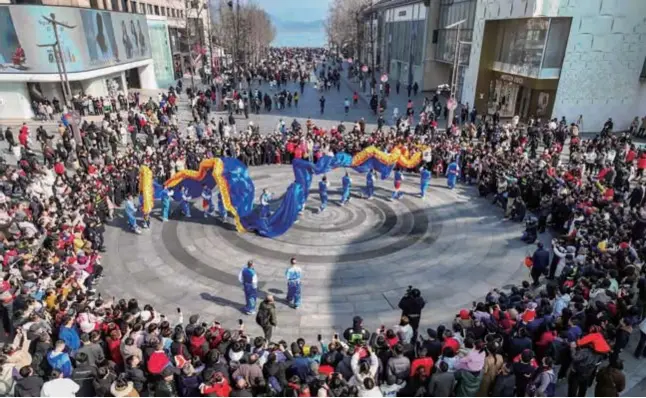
292 26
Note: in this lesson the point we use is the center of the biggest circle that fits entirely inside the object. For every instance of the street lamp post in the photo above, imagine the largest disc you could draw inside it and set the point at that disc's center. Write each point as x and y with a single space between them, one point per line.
235 15
454 74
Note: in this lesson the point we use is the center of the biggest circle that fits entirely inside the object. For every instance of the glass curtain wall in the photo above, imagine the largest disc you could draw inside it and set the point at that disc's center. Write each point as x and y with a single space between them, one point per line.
452 11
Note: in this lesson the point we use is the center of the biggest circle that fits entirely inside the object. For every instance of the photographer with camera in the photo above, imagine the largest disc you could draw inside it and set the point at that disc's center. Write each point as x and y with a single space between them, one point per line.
411 305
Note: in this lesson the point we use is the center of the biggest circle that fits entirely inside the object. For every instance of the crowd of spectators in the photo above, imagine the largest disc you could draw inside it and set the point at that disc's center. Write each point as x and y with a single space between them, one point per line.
573 321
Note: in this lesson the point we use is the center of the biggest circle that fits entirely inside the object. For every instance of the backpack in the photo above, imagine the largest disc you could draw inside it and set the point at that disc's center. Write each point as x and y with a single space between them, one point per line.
586 365
262 317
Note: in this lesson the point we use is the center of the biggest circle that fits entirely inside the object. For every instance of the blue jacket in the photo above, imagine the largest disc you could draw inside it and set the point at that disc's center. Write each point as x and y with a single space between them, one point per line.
541 259
71 338
60 361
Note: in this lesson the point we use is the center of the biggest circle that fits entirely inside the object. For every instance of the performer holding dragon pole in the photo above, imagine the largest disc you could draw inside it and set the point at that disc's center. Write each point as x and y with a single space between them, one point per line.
452 173
424 181
265 197
185 205
207 200
370 184
346 182
323 186
397 193
165 196
131 211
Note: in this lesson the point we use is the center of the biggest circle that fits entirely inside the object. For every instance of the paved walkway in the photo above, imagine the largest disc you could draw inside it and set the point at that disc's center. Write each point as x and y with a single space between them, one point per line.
357 260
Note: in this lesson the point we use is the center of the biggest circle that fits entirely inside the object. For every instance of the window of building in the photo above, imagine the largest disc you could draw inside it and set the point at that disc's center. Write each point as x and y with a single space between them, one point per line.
163 11
31 2
156 10
556 42
115 5
523 42
452 11
133 7
150 9
94 4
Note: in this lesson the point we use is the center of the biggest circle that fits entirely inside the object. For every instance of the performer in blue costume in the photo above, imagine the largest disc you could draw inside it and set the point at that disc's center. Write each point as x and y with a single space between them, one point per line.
165 201
323 186
264 203
131 211
184 205
424 181
221 209
249 281
347 184
370 184
397 193
293 275
452 172
207 200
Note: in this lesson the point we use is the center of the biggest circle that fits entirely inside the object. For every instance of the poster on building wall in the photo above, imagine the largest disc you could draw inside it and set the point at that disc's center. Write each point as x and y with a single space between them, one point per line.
95 39
102 47
12 57
33 30
131 33
161 52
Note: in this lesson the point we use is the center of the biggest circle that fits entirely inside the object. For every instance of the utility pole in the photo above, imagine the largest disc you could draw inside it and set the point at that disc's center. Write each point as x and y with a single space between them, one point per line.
56 46
454 75
235 16
210 38
62 70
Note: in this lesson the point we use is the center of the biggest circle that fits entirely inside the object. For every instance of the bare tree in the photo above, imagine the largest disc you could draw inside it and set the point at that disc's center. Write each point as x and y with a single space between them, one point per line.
344 25
243 30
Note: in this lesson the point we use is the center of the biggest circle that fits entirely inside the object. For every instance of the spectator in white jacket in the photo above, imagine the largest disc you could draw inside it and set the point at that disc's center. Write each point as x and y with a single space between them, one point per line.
363 370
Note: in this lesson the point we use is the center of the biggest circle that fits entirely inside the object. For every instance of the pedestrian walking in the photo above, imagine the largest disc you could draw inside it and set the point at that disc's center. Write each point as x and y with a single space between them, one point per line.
266 317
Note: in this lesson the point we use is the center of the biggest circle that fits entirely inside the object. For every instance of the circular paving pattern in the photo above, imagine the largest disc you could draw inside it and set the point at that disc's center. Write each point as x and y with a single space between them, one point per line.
357 259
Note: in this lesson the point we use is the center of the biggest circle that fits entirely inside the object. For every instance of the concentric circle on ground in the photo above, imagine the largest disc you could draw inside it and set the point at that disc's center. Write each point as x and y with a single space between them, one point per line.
357 259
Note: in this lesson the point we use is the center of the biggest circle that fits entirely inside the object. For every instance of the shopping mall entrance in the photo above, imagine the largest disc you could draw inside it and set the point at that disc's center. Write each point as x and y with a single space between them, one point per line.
511 95
520 66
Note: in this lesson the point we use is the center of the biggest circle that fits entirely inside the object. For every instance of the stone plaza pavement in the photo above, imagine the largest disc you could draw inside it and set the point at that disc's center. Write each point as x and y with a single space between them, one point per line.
357 259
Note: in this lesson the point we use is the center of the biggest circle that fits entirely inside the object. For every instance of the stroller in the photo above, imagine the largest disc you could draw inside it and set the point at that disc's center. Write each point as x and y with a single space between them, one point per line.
531 230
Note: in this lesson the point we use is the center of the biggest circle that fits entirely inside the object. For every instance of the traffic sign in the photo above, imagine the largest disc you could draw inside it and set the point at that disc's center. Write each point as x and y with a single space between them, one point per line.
364 68
384 78
451 104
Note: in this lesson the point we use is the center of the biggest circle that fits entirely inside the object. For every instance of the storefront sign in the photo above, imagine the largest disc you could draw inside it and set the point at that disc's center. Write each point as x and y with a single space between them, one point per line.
513 79
98 39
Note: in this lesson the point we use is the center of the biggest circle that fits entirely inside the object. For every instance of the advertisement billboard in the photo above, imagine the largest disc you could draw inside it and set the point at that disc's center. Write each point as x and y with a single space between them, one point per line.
161 52
96 39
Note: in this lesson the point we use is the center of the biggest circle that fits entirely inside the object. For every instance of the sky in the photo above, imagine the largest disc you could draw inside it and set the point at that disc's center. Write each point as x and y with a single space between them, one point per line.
304 10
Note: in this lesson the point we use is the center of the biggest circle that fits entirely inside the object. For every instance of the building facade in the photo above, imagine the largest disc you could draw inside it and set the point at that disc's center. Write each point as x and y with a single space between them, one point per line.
553 58
443 42
112 45
400 39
